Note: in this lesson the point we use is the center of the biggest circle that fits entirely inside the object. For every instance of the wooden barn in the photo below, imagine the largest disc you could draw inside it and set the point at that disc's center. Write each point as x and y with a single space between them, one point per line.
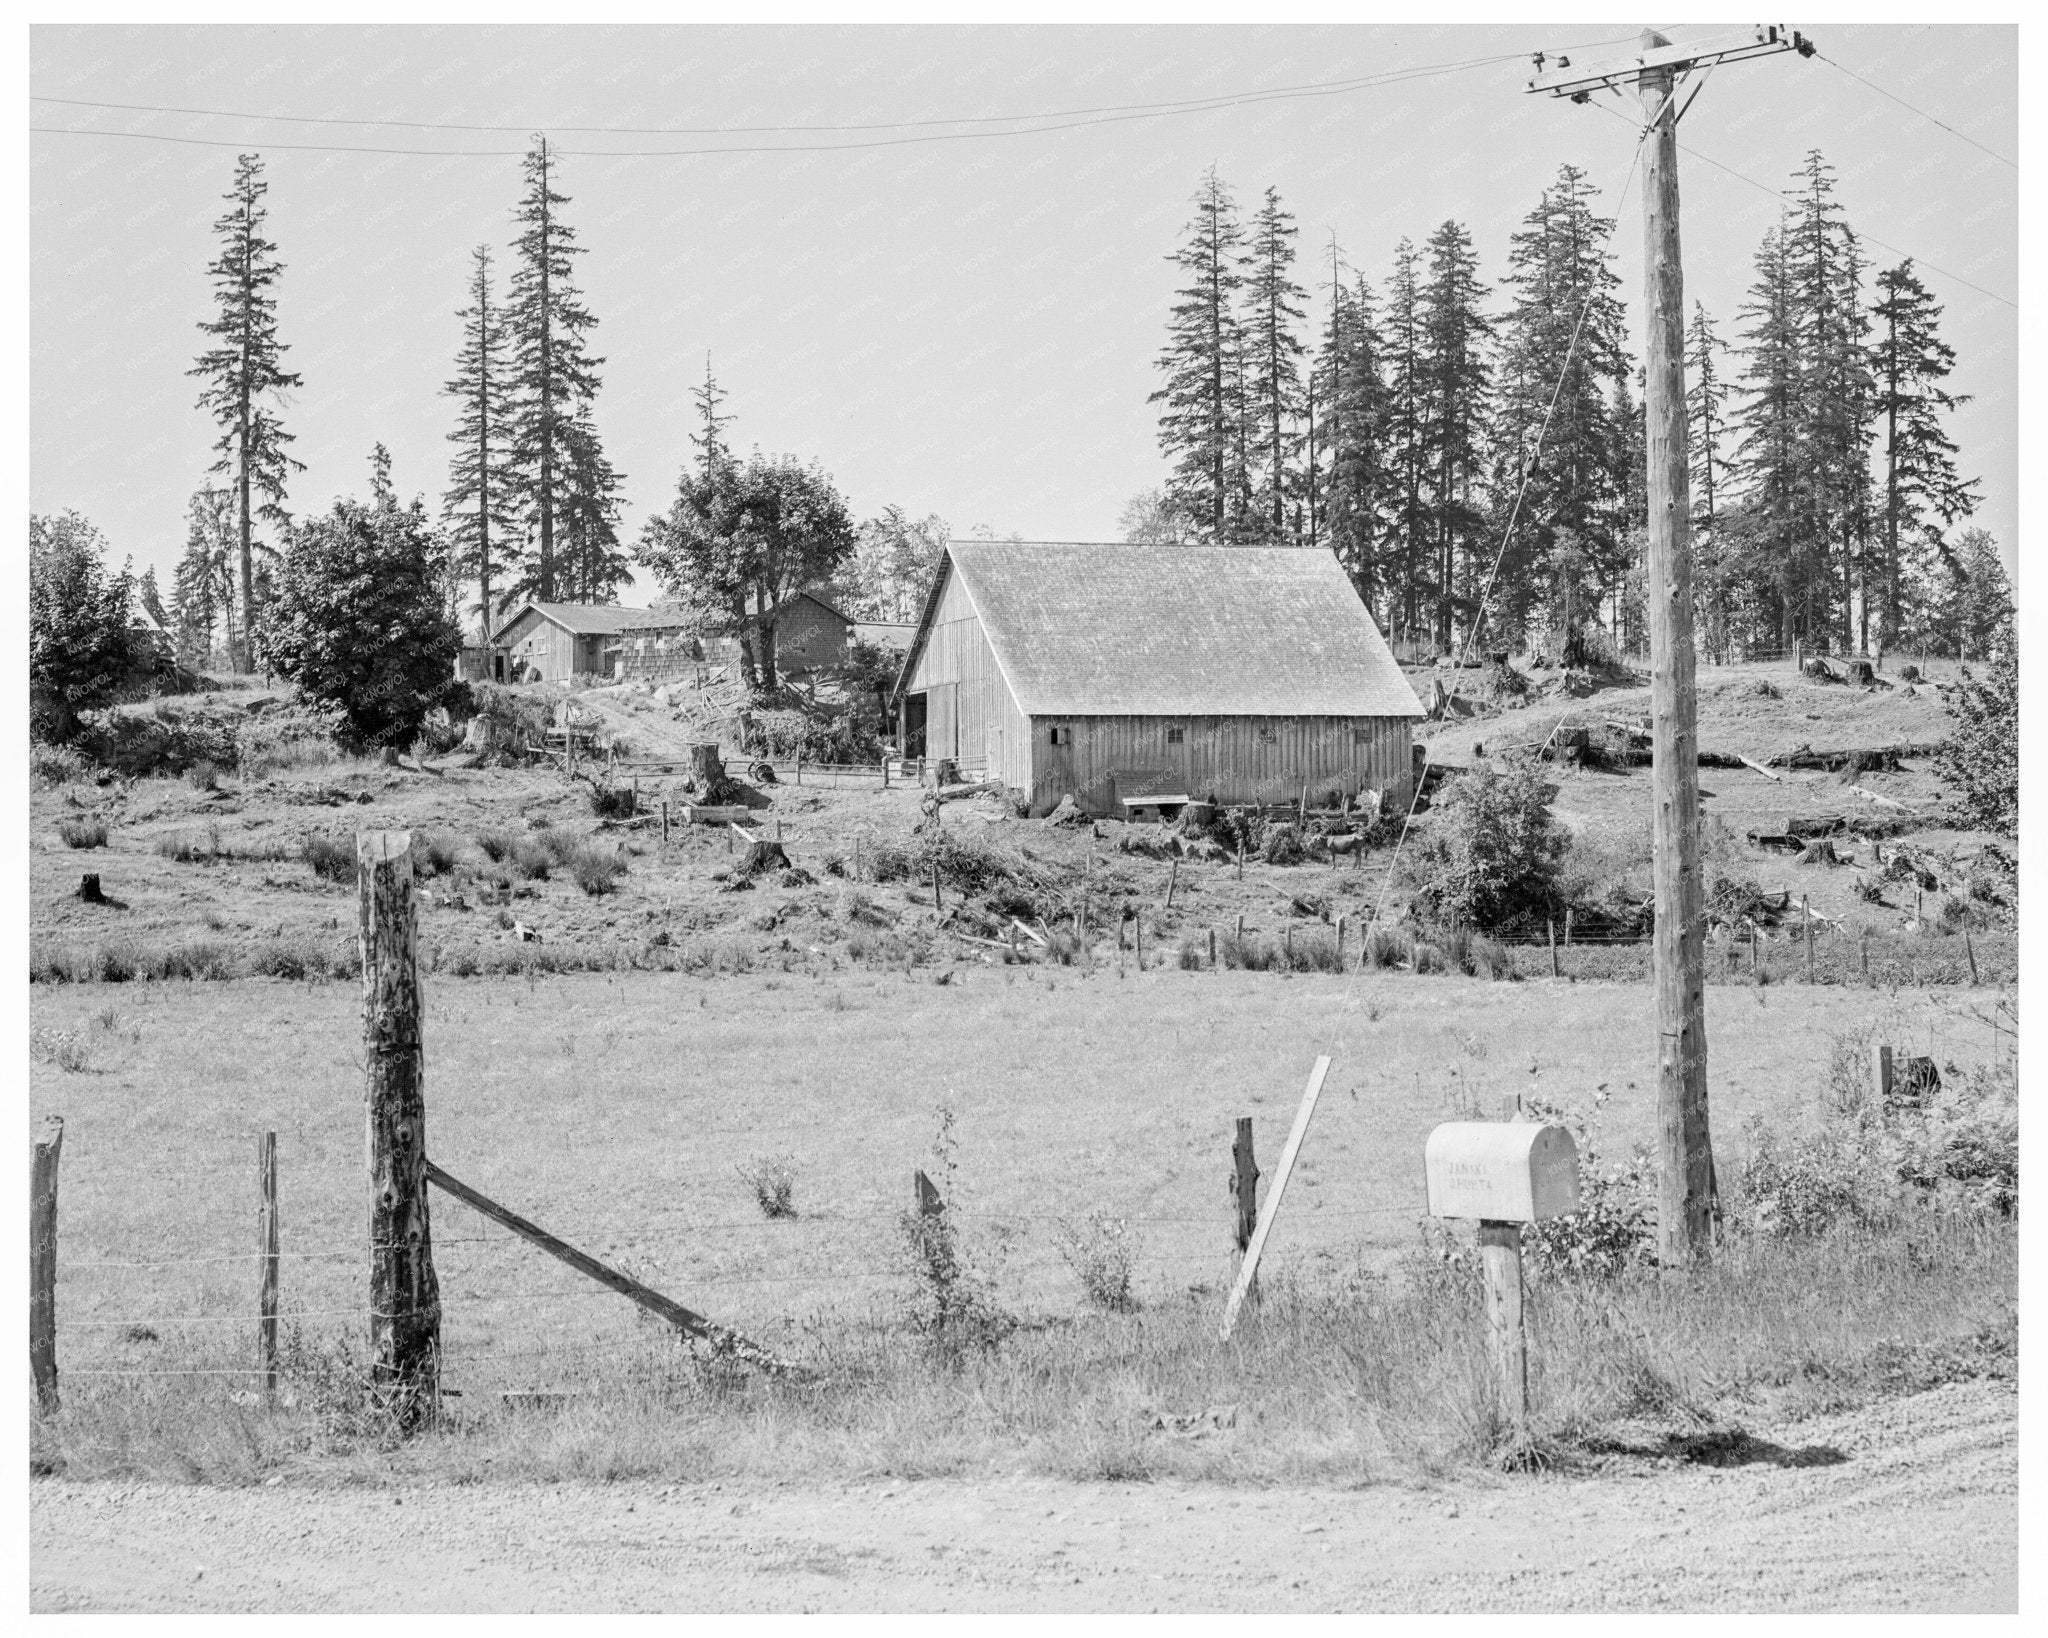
1118 673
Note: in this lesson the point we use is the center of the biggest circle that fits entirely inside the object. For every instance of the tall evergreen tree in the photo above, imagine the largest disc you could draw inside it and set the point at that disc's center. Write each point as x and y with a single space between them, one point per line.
1561 360
1355 414
1201 423
592 565
1409 546
152 598
478 506
1769 551
709 438
1975 618
1272 310
245 378
1456 381
203 589
1921 484
554 376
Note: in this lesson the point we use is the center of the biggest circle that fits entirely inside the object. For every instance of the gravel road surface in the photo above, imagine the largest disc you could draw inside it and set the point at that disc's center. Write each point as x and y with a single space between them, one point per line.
1908 1505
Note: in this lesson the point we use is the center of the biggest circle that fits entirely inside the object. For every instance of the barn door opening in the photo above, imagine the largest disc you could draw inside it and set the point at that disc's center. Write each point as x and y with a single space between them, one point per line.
913 725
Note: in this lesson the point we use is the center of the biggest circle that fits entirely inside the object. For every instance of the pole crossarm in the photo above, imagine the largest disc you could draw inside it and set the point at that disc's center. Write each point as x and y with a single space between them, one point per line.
1560 77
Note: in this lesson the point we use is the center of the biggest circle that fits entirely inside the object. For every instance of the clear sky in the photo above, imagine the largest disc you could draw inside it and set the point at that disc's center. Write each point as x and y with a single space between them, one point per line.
966 325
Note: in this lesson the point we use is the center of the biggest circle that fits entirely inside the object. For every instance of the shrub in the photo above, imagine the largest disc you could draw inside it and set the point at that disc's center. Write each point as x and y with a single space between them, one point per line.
496 845
1102 1250
203 776
1615 1227
83 830
597 869
1966 1138
1981 756
1492 850
434 852
1427 958
510 724
59 1047
952 1303
612 801
358 619
332 859
1807 1184
53 765
1387 946
533 858
190 846
79 653
773 1180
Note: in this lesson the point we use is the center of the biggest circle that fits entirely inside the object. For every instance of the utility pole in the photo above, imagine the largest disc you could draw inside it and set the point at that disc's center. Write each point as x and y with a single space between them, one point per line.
1684 1147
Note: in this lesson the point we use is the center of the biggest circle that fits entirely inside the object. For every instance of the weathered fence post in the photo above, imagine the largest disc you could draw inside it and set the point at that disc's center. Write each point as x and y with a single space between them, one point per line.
856 856
1551 928
266 1252
1138 942
1212 949
1969 950
1500 1260
1752 948
1881 1072
1287 944
1240 858
405 1298
936 903
1244 1198
1172 881
1863 951
42 1260
1567 927
925 1195
1340 944
1806 927
664 821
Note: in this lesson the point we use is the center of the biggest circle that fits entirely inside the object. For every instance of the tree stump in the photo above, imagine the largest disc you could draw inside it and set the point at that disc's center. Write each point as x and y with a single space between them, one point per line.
707 770
89 888
761 857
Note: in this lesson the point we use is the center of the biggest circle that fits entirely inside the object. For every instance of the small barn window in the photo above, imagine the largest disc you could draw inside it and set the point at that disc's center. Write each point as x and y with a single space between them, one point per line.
1361 736
1060 734
1176 736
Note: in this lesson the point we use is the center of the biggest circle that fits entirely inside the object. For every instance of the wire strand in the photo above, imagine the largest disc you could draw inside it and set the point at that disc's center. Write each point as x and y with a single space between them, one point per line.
1923 113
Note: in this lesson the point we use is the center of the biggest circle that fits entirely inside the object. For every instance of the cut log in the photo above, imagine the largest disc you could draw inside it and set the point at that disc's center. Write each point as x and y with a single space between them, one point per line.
1760 768
1872 796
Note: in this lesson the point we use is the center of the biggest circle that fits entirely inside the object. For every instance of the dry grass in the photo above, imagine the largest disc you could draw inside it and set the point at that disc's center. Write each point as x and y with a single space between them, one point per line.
619 1111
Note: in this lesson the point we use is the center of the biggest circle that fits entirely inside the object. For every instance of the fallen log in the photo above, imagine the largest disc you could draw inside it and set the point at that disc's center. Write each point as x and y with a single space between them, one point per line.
1028 932
1872 796
1775 778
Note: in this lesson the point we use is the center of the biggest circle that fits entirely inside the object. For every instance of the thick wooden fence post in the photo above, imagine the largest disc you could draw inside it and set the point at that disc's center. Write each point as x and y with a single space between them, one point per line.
1881 1072
1172 881
1500 1260
1138 942
936 904
1212 949
1244 1198
405 1298
1551 928
266 1252
1970 951
1806 927
42 1260
1340 944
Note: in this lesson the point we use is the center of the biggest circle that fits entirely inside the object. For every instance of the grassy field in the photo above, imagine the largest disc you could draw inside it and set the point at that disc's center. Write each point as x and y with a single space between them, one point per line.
620 1111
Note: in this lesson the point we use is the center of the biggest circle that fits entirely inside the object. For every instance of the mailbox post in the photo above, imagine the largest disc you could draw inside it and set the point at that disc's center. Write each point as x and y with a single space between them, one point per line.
1504 1174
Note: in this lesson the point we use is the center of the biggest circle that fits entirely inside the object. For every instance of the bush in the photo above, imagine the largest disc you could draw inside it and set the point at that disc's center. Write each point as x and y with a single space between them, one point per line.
1102 1250
1615 1227
59 1047
1806 1185
434 852
952 1303
597 869
1387 946
511 724
168 741
532 857
773 1180
83 830
332 859
190 847
1981 757
203 776
612 801
52 765
1492 850
79 654
358 620
497 846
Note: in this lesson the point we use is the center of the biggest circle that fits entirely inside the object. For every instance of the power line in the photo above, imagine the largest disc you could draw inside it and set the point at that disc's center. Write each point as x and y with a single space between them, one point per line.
1068 120
1923 113
1177 104
1779 195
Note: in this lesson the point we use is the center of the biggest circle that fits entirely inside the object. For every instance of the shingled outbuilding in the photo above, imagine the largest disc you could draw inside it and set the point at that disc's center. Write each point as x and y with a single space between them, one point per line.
1114 673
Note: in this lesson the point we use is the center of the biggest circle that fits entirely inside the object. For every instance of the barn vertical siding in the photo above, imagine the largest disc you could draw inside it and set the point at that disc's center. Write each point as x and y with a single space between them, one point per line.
969 710
1233 759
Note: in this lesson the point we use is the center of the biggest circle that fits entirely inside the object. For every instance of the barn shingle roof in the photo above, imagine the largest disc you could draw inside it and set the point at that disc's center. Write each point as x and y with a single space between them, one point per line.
1179 631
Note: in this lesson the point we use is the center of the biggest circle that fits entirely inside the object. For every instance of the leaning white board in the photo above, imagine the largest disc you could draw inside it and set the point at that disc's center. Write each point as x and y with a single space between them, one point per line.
1271 1209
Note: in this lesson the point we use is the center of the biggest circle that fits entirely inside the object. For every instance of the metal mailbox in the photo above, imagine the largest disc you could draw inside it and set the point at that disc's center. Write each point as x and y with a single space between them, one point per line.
1501 1171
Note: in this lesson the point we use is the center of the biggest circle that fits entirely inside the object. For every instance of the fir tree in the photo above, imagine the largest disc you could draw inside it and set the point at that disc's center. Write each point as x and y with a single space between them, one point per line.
1201 422
1976 614
1559 427
203 589
709 438
1456 380
592 564
478 506
245 377
1921 485
1767 551
1409 545
152 598
1273 355
1355 415
554 376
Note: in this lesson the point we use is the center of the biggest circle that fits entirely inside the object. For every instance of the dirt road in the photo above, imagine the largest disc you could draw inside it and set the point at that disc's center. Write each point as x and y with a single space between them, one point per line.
1911 1505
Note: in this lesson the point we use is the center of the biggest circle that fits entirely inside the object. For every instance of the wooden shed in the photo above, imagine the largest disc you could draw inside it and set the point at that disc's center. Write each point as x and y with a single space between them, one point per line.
810 633
554 642
1114 673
